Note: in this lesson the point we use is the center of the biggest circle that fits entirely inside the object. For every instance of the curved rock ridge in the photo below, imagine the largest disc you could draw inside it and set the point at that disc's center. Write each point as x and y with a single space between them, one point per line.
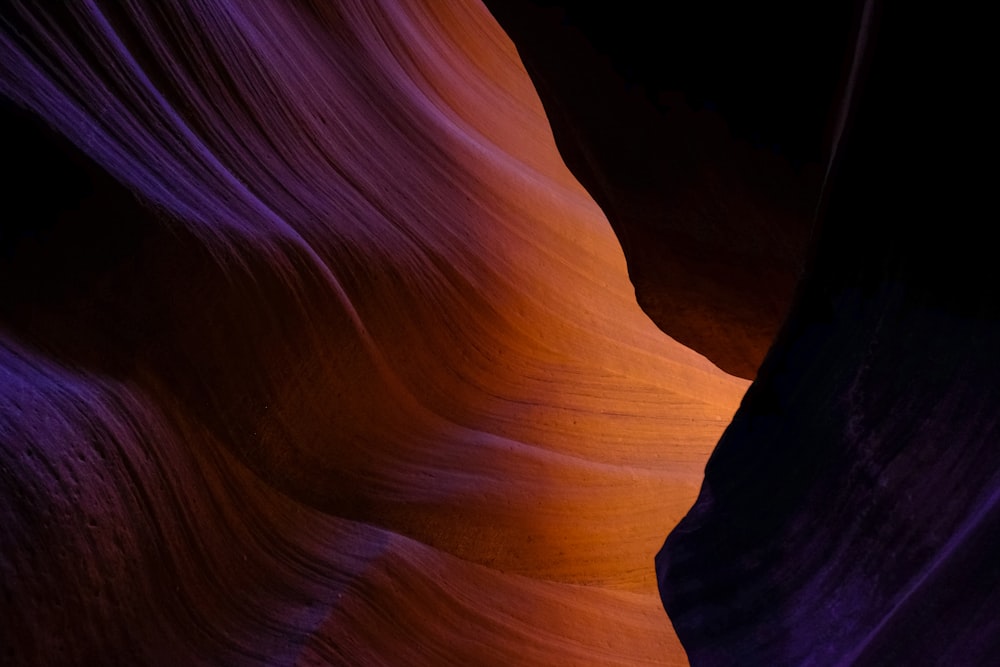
316 353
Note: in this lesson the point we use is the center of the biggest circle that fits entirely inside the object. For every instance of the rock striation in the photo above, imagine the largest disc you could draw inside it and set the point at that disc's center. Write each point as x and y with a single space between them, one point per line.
314 352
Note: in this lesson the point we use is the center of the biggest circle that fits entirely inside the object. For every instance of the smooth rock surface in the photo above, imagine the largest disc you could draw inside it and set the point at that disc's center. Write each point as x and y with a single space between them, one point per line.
849 515
314 352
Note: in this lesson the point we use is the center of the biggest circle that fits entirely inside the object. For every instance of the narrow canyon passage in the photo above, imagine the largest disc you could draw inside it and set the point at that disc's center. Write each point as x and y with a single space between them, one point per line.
418 332
318 353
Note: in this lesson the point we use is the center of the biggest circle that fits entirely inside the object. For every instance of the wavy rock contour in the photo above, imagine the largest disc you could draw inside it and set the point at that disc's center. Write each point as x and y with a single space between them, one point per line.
317 353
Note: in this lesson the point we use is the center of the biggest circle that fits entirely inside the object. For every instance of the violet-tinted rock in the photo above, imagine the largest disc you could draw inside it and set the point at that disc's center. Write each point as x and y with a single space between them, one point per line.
312 351
850 513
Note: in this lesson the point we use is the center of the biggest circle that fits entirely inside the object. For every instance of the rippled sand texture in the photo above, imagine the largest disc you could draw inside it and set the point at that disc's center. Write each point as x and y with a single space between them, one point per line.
355 376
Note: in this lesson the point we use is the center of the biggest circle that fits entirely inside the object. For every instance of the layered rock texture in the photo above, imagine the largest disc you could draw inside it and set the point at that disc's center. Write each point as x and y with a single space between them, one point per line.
318 343
314 352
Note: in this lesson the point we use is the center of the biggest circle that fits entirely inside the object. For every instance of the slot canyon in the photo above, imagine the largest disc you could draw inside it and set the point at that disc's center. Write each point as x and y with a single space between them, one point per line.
440 332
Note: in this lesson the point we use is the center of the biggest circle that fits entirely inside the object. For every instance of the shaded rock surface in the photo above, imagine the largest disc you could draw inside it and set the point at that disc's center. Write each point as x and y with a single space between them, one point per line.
314 352
849 514
702 131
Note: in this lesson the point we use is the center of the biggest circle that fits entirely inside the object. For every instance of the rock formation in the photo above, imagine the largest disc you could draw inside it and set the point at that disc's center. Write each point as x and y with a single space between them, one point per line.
856 492
849 514
315 348
702 140
314 352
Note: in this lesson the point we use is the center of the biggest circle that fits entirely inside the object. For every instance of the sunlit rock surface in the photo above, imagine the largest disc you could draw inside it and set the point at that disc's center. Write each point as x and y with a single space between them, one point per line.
314 352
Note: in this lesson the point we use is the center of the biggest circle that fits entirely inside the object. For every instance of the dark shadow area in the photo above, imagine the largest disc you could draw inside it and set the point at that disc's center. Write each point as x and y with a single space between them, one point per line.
850 513
703 132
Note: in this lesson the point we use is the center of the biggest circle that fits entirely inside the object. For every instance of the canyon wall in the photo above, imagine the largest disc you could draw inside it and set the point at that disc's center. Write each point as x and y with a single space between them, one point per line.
314 352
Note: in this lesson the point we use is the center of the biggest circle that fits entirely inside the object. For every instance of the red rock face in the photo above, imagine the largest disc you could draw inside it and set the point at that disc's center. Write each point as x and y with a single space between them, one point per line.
316 353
